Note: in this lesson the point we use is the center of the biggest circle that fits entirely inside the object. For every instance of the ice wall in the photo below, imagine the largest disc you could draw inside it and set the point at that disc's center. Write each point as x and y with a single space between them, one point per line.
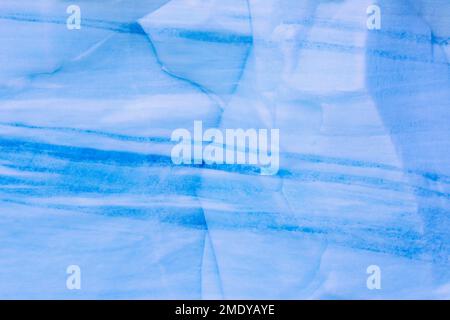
86 176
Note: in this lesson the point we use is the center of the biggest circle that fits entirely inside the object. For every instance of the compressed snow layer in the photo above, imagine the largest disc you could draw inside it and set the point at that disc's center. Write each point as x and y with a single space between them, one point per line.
86 177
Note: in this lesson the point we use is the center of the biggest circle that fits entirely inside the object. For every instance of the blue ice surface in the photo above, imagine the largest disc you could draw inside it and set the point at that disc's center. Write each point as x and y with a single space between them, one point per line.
86 176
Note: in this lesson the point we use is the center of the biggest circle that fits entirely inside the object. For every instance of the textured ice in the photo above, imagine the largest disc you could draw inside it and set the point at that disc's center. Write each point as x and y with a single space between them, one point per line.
86 176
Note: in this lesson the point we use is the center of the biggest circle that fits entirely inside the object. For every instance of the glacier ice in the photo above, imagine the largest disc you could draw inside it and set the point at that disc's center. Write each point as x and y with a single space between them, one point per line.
86 176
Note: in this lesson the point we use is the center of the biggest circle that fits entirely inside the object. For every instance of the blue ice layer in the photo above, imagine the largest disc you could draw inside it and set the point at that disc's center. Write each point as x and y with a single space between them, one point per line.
87 179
